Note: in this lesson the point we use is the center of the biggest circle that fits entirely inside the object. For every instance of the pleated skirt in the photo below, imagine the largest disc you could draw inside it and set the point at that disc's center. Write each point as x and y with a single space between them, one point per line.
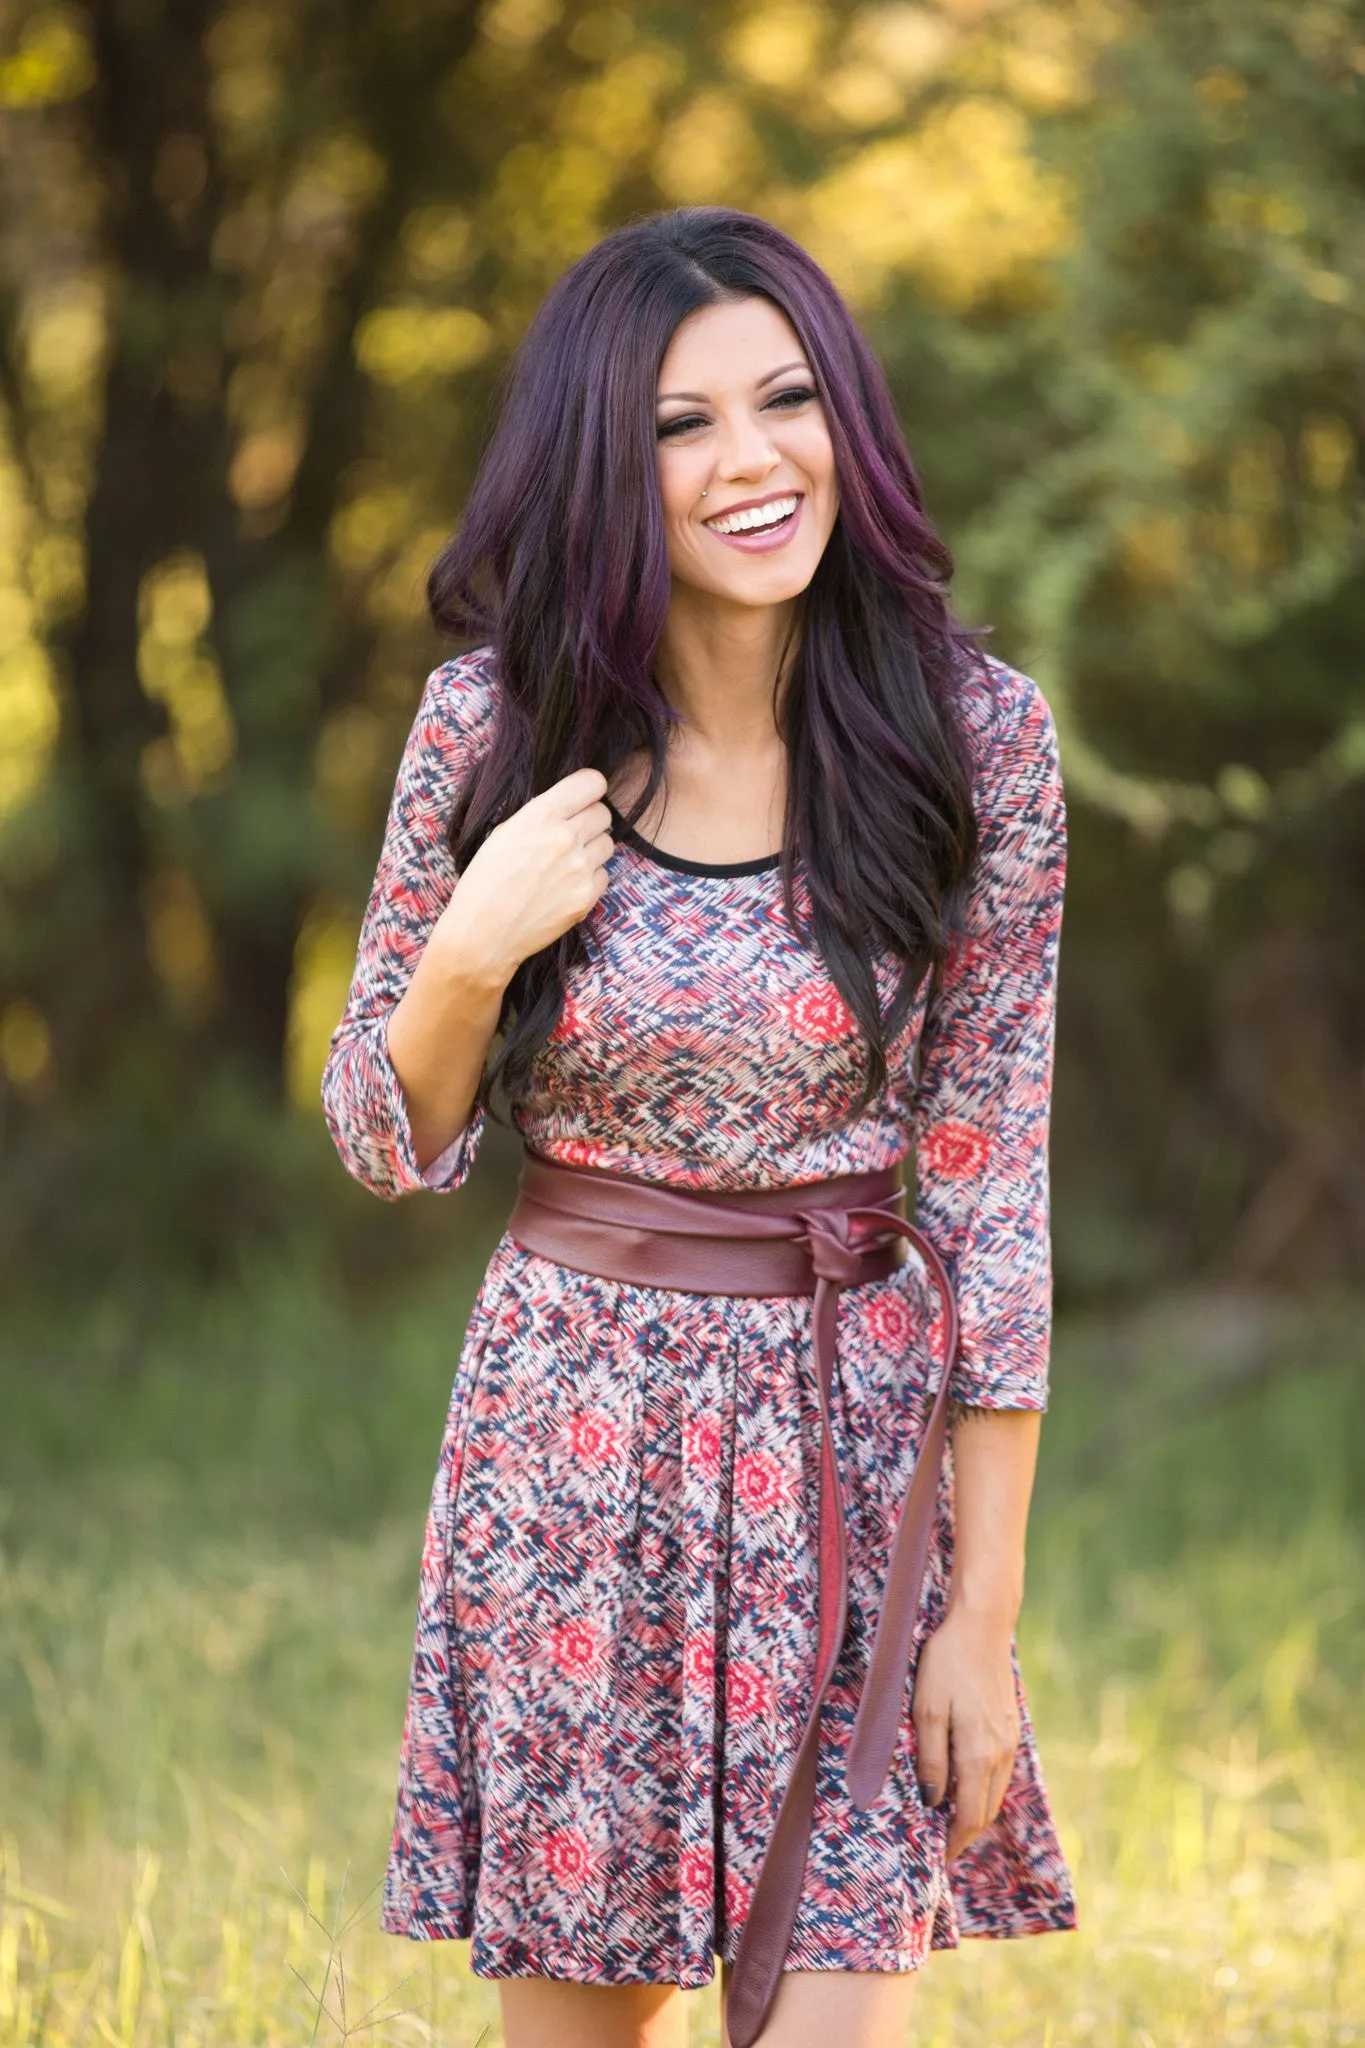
616 1630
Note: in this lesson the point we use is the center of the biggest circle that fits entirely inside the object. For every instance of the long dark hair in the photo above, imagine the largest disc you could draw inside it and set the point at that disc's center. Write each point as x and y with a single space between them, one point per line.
561 563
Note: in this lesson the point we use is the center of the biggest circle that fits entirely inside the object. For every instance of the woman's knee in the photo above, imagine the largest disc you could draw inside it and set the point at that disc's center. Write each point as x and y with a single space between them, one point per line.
547 2012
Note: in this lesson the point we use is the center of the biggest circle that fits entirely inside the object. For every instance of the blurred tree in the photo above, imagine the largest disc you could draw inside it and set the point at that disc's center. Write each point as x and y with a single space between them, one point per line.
259 268
237 230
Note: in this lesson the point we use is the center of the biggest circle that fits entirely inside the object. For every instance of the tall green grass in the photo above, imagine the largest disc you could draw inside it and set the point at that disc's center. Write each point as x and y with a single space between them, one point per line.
209 1530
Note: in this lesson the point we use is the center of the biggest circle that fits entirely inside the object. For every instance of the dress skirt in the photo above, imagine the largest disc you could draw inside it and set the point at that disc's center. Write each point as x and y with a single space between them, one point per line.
616 1633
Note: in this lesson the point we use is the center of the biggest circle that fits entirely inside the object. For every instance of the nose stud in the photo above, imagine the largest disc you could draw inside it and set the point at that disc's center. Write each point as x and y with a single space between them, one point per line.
703 494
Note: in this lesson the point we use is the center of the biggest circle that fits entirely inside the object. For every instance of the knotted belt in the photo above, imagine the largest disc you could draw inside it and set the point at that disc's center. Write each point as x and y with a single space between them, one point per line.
814 1238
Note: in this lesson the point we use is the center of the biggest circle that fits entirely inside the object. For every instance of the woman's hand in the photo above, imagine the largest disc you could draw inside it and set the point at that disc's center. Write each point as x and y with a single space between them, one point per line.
536 873
966 1713
966 1709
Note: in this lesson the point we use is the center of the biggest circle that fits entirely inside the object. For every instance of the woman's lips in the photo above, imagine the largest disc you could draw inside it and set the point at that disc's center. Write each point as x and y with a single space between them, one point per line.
765 539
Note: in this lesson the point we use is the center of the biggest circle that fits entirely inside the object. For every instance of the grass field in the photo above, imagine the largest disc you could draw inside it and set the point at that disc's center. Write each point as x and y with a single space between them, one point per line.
209 1528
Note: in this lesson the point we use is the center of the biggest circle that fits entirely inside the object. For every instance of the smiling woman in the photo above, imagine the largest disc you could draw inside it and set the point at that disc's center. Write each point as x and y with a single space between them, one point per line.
755 863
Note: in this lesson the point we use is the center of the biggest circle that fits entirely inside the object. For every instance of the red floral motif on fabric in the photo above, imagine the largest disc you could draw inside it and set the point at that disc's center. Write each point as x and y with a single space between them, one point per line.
747 1692
568 1859
574 1648
697 1876
594 1439
820 1014
891 1321
578 1152
702 1445
737 1896
760 1481
699 1664
568 1024
954 1150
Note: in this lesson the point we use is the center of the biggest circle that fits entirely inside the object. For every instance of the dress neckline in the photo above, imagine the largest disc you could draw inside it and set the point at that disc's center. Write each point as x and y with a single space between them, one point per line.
630 837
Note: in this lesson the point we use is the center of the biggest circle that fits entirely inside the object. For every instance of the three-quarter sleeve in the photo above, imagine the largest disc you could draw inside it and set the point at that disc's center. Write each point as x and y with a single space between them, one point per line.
983 1095
362 1097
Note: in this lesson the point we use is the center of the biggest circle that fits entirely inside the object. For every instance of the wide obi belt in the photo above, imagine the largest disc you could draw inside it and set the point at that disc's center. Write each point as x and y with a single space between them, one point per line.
812 1238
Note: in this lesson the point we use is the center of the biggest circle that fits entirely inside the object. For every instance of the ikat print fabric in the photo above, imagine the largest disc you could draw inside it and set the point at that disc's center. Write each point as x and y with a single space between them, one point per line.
617 1597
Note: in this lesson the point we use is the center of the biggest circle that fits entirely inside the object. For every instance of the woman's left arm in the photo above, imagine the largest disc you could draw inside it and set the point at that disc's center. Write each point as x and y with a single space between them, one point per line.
966 1705
982 1115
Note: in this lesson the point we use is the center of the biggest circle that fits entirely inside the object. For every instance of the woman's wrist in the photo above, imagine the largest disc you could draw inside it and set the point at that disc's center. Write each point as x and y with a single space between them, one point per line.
465 966
993 1463
991 1607
437 1037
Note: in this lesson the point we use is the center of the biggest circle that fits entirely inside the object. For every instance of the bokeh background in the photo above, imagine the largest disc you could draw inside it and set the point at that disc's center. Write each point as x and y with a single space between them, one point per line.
260 266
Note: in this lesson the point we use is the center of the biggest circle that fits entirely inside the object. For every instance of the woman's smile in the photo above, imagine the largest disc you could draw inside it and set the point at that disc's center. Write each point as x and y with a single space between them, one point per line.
758 525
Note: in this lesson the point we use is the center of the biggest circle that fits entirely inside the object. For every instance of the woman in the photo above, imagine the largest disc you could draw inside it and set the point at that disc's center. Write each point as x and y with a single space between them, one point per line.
759 881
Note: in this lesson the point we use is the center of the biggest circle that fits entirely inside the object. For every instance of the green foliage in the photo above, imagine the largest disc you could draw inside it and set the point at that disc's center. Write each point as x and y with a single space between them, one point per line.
261 271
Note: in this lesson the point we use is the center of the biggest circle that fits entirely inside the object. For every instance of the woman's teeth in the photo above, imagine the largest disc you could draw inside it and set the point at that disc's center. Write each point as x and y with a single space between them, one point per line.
771 514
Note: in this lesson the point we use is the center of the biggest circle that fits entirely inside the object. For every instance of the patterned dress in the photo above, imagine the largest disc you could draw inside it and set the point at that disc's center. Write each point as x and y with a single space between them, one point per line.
616 1615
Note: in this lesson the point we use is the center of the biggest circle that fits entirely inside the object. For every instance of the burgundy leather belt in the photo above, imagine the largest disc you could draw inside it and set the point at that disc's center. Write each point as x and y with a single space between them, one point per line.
814 1238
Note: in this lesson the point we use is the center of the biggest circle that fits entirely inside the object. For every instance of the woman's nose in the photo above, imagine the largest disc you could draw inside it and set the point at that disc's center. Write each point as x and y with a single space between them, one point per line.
746 449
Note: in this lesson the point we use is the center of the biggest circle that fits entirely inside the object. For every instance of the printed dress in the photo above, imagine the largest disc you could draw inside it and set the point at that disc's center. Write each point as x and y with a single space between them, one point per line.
616 1616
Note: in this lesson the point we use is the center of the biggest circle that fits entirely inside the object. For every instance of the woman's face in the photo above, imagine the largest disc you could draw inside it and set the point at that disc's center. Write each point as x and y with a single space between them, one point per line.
746 469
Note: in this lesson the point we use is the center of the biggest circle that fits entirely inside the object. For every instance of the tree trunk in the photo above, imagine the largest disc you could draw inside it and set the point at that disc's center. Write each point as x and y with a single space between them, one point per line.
163 448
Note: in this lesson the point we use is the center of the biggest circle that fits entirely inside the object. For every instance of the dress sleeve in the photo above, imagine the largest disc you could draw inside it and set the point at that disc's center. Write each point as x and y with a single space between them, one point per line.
362 1097
984 1091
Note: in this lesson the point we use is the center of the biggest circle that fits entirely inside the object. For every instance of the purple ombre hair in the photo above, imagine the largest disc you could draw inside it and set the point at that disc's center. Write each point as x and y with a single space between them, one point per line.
561 563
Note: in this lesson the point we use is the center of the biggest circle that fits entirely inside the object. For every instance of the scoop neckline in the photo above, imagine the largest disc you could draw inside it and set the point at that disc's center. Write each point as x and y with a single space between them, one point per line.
628 836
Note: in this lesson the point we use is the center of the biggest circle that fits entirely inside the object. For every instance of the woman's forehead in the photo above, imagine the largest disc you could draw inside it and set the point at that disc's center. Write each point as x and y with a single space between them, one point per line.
738 341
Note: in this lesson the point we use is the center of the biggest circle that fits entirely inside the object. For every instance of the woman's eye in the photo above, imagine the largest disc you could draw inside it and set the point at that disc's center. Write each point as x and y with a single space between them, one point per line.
787 401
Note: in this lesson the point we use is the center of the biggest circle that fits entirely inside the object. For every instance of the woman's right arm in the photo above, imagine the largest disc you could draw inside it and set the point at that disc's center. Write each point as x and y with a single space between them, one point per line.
537 873
437 950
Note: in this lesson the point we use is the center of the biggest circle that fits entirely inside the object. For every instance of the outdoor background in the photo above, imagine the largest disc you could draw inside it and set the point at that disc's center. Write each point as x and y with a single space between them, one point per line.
260 265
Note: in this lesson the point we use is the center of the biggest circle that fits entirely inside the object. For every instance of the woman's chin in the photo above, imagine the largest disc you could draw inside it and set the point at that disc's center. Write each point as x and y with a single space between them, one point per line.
760 585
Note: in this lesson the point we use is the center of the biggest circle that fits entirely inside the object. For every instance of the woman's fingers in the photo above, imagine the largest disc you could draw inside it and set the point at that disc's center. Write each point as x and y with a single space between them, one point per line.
979 1787
573 793
931 1745
600 850
971 1787
592 820
1000 1785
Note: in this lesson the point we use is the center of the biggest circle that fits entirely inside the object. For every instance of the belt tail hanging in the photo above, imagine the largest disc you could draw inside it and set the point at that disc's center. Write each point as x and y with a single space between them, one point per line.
872 1743
767 1931
766 1935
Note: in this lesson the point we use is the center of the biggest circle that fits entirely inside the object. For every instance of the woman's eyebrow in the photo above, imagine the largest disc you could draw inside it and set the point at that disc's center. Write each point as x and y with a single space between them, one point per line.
700 397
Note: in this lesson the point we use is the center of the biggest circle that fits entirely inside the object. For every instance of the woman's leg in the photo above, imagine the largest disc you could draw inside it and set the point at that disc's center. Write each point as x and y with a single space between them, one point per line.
815 2008
545 2012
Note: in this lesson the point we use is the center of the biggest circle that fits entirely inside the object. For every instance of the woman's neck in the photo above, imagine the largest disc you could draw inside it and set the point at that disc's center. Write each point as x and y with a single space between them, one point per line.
717 665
